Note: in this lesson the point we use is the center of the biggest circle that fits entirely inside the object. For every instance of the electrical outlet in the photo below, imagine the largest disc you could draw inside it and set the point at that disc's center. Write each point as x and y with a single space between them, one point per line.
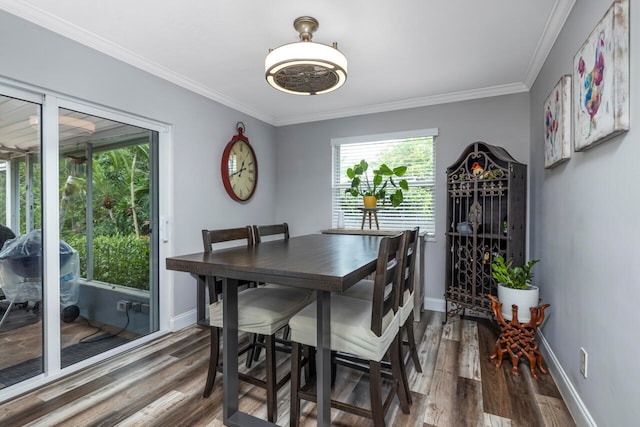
583 362
123 305
136 306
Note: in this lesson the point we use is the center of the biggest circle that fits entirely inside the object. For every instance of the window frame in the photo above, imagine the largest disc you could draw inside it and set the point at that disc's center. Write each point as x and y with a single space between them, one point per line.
429 183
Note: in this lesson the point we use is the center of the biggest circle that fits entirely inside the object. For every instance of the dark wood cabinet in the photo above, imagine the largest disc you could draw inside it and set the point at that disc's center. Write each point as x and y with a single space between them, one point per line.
486 217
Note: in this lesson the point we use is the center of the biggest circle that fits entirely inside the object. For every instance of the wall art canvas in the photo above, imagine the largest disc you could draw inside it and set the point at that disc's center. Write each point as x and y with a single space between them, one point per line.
601 80
557 123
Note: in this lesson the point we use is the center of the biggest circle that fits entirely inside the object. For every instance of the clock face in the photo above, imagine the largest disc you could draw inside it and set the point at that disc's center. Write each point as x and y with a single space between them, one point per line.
239 169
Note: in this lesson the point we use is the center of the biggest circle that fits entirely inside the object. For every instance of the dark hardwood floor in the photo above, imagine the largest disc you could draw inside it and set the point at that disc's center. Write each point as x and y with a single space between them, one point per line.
160 384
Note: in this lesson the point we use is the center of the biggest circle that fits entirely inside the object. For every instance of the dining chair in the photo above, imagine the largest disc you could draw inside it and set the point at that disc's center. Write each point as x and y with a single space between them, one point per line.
261 310
367 329
209 239
262 231
274 232
364 290
407 300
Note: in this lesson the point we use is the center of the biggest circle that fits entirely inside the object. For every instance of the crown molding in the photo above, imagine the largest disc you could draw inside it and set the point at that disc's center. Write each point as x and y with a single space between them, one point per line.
553 27
445 98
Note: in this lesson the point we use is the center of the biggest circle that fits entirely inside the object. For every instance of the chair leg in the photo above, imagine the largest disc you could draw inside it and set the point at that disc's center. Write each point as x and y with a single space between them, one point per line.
252 351
272 391
257 349
334 368
404 382
294 411
396 371
310 366
286 333
375 390
412 342
214 354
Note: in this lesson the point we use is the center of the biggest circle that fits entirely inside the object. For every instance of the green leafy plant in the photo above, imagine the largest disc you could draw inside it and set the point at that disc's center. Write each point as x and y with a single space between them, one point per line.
119 260
512 277
379 184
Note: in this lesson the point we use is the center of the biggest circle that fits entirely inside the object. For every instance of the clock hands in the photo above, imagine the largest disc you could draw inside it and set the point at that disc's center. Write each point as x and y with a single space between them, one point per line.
239 171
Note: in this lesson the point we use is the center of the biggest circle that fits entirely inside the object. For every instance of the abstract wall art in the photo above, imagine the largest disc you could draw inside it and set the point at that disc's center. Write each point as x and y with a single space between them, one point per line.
601 80
557 123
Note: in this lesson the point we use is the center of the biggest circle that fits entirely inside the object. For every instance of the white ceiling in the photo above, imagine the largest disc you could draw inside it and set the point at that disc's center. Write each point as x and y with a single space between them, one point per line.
401 54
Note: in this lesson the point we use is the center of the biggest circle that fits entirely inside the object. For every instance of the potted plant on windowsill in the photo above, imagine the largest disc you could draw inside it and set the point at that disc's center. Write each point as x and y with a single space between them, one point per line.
514 287
379 185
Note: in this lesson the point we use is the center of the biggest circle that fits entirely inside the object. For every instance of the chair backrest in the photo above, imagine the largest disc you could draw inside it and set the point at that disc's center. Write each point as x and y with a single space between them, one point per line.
388 273
210 237
410 256
262 231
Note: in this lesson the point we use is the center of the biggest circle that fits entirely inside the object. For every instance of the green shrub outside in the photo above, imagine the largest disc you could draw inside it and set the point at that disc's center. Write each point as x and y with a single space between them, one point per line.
118 260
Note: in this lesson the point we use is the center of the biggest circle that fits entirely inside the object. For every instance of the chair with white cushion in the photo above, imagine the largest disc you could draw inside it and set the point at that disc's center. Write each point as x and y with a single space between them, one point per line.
364 290
272 232
406 302
367 329
261 310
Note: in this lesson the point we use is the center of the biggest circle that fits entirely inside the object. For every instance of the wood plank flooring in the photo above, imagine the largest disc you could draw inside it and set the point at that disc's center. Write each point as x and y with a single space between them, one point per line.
160 384
25 343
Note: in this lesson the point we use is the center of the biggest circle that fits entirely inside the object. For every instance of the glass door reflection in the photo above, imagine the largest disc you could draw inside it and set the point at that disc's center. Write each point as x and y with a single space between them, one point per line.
106 211
21 326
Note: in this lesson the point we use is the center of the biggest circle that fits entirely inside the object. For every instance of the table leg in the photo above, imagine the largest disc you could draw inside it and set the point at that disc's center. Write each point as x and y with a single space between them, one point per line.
230 348
375 215
364 215
323 357
200 305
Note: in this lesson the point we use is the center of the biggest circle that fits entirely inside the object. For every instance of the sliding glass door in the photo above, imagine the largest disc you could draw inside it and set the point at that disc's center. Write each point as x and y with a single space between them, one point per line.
109 287
78 248
21 278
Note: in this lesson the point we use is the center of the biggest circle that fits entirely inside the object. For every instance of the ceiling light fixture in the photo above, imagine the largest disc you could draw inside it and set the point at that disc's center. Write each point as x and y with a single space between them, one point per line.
304 67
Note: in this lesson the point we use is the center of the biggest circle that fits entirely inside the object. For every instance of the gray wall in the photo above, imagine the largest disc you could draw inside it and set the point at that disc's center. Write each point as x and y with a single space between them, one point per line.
584 227
584 214
304 161
201 128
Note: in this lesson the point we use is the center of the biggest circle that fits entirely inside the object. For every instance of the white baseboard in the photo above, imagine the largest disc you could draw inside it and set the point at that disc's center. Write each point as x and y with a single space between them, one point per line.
183 320
570 395
434 304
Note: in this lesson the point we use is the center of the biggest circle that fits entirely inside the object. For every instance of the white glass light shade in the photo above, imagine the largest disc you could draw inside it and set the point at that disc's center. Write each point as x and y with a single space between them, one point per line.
306 68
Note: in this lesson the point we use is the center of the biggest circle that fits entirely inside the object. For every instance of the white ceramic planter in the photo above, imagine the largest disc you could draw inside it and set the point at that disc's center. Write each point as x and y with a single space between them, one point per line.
523 298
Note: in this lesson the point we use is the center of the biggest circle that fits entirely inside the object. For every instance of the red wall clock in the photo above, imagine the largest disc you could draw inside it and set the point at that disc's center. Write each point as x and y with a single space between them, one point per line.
239 167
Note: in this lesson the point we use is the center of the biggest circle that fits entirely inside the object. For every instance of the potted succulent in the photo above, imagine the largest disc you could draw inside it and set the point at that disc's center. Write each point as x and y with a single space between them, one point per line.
379 185
514 287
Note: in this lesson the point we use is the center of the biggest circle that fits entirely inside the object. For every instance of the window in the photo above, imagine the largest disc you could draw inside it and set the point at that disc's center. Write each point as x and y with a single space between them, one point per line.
416 150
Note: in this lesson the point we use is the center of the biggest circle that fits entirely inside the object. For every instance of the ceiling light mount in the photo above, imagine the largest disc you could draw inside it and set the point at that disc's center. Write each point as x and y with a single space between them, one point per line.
304 67
306 26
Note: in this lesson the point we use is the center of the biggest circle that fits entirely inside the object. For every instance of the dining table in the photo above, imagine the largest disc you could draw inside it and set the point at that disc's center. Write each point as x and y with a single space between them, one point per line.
325 263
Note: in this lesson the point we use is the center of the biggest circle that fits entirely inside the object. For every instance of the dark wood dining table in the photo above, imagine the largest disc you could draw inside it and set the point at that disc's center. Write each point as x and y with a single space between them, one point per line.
322 262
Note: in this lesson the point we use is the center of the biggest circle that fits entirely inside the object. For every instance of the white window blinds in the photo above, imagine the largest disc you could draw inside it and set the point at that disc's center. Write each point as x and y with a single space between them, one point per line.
416 150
